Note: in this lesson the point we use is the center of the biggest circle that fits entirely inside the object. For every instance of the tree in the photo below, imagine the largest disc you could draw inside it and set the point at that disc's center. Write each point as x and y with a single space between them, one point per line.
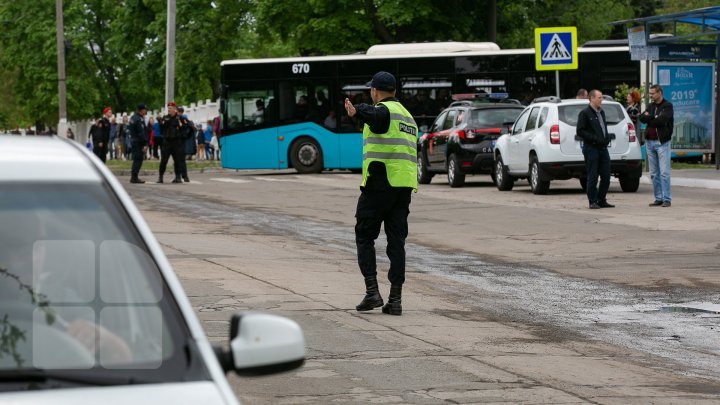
27 61
345 26
117 51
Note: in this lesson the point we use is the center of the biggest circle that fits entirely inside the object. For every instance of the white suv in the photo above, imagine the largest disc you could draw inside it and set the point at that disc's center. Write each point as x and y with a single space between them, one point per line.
543 146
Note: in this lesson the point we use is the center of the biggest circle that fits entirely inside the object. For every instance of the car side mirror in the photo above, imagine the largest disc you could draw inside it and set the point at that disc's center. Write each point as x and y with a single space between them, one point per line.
262 344
506 127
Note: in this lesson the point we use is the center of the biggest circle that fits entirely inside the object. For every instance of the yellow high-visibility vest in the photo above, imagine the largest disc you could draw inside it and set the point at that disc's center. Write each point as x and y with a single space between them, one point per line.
397 148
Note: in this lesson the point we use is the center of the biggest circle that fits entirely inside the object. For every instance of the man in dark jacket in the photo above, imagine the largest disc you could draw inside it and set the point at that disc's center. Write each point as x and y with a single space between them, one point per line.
592 128
99 141
660 121
173 129
100 134
138 135
188 133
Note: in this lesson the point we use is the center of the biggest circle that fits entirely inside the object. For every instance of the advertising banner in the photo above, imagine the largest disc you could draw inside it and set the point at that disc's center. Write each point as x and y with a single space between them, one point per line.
689 87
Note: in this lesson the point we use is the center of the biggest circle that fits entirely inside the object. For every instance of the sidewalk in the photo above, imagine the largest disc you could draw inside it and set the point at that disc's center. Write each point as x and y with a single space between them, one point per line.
699 178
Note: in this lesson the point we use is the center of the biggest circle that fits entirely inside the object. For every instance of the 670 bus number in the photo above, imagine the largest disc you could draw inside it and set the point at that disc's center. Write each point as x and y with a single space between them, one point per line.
298 68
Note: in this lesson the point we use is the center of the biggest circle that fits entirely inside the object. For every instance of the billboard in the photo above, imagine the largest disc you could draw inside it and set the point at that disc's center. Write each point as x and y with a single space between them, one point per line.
690 88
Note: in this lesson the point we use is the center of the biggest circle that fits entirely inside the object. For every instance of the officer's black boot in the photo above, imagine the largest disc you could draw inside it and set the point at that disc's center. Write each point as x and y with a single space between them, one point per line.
186 178
372 298
394 304
160 178
136 180
177 179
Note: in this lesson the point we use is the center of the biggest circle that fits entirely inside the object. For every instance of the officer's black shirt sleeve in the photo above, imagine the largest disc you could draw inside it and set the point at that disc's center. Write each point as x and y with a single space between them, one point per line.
376 117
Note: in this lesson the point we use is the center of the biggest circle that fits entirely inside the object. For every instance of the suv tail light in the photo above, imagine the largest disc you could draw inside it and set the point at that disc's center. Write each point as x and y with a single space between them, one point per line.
555 134
470 134
631 132
460 134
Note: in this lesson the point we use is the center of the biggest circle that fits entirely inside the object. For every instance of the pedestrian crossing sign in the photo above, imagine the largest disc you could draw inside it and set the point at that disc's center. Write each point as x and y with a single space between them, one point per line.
556 48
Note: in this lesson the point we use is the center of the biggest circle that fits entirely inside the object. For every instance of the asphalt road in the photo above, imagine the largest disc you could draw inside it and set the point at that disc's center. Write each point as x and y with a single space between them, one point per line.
510 297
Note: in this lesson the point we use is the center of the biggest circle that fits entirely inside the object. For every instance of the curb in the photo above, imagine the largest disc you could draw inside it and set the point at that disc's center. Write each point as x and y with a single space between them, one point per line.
121 173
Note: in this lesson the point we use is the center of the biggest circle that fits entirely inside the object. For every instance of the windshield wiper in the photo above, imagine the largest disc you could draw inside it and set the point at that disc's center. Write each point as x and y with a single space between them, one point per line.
80 377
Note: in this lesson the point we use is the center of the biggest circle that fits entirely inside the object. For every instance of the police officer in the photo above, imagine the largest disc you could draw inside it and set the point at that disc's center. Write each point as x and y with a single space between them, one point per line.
172 129
139 139
389 176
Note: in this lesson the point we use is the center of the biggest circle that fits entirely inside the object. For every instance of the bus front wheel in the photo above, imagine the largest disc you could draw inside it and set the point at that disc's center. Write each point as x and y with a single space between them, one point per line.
306 156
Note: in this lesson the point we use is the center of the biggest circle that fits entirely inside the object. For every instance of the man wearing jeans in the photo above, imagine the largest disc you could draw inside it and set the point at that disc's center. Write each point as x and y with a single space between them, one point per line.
660 121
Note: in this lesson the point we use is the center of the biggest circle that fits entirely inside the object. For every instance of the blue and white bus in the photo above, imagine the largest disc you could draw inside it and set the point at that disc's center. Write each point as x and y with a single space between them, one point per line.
288 112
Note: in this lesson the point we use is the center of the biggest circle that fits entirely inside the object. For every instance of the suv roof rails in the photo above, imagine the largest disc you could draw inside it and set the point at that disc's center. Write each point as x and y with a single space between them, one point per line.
460 103
547 99
608 97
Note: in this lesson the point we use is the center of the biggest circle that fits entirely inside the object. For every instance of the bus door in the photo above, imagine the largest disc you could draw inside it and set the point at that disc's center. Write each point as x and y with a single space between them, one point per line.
306 110
349 129
250 119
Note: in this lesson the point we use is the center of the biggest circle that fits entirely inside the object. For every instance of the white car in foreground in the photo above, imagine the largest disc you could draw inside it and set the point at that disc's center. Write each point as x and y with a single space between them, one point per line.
543 146
90 310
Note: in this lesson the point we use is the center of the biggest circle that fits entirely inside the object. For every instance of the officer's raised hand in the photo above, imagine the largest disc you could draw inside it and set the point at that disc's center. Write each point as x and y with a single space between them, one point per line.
350 108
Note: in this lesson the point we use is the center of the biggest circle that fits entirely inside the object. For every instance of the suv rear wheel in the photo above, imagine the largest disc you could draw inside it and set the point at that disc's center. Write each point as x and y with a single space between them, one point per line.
629 184
456 178
536 185
503 181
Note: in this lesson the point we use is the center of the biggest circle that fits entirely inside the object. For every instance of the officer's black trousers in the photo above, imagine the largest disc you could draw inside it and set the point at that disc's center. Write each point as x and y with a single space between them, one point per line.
100 152
379 205
176 149
137 158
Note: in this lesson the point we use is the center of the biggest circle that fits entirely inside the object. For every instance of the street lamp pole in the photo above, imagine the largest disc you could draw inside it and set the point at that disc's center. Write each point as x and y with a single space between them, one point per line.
170 53
62 96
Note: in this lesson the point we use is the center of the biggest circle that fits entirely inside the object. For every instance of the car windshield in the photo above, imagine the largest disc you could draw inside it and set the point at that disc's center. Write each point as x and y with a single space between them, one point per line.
79 290
569 113
493 117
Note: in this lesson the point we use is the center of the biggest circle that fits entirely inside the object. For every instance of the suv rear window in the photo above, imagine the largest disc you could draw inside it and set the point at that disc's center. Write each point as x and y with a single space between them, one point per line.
493 117
569 113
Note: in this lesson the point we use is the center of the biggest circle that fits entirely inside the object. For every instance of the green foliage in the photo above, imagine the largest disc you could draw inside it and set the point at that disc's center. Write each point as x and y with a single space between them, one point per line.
622 90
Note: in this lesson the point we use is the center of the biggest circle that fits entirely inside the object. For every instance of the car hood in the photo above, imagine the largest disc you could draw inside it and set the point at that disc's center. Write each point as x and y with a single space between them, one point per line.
202 392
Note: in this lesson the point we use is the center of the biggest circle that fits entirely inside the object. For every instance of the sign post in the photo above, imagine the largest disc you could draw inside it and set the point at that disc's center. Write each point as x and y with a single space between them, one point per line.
556 49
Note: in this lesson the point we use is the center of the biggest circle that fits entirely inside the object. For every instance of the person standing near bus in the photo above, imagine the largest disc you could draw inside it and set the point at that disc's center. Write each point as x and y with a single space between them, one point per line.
171 127
139 137
389 176
659 117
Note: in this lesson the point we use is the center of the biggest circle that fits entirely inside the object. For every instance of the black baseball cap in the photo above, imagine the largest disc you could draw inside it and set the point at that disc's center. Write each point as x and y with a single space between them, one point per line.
382 81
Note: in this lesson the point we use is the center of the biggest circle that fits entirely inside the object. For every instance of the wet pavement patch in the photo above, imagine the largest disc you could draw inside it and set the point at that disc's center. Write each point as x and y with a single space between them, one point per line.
702 308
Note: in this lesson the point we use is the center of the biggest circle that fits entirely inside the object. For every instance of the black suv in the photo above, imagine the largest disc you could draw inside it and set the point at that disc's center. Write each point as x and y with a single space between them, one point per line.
462 138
